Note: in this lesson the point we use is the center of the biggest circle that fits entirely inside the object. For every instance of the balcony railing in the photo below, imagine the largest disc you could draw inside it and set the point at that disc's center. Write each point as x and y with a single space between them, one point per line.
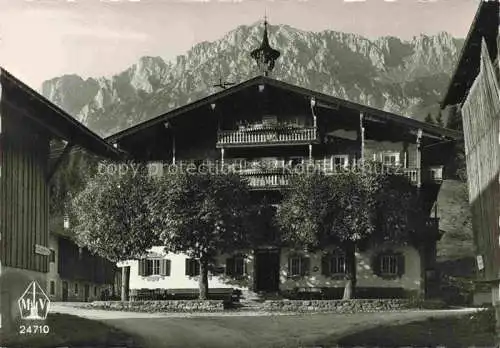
266 136
268 181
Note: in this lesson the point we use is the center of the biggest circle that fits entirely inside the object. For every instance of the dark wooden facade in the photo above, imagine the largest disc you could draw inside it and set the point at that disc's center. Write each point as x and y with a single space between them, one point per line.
481 120
23 190
28 124
484 27
474 87
78 264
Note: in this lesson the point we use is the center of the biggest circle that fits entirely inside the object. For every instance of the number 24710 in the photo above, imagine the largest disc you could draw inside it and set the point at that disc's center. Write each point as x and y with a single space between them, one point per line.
33 329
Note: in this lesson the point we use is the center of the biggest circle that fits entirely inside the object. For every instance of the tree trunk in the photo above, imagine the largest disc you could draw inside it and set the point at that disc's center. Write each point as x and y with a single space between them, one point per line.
348 290
203 282
125 283
350 284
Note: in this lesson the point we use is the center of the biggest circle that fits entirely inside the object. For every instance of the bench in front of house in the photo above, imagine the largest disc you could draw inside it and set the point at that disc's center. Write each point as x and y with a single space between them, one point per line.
226 294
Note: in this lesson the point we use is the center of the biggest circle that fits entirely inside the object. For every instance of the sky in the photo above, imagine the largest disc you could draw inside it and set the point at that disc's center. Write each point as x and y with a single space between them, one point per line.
43 39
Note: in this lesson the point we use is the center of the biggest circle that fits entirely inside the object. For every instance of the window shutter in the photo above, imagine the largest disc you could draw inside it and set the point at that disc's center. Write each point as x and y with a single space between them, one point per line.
304 266
401 264
164 267
168 267
325 265
142 267
188 268
230 266
245 266
196 267
289 266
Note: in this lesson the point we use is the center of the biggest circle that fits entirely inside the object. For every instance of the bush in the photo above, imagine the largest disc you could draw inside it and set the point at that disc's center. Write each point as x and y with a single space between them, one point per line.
457 291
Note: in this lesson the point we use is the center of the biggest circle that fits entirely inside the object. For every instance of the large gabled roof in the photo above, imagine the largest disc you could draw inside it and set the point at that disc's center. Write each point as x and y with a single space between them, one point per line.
54 120
484 25
322 100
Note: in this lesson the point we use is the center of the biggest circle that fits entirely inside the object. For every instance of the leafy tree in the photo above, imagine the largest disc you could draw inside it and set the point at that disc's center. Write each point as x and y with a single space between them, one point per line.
429 119
322 210
201 216
439 119
348 210
305 214
454 120
111 216
399 214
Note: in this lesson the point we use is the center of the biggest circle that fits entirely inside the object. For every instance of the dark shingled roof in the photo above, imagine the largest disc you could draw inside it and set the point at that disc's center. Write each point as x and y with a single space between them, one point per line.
484 25
56 121
320 98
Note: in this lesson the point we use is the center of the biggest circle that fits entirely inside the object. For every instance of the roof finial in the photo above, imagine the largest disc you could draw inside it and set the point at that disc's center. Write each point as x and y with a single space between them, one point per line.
265 55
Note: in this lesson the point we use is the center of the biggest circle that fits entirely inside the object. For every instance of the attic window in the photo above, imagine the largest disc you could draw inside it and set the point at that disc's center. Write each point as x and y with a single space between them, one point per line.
390 158
261 88
66 222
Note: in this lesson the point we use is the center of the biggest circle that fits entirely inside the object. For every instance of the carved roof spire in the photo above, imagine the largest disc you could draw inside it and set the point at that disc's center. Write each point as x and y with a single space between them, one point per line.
265 55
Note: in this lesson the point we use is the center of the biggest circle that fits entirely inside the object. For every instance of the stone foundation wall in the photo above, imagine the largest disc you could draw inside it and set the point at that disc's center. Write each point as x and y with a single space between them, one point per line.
337 306
159 306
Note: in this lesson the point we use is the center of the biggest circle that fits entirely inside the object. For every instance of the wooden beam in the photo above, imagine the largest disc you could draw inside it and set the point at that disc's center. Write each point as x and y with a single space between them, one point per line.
330 106
419 158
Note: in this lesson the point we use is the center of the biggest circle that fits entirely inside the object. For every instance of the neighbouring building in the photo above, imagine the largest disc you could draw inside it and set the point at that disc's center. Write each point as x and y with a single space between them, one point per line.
74 273
258 128
28 124
474 89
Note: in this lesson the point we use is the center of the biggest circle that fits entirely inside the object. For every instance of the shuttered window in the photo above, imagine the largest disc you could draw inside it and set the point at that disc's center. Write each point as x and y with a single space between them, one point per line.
389 265
236 266
340 162
153 267
149 267
298 266
390 158
192 267
334 264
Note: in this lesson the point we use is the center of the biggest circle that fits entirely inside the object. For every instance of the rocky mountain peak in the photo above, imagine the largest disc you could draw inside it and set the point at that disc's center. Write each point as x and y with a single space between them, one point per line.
406 77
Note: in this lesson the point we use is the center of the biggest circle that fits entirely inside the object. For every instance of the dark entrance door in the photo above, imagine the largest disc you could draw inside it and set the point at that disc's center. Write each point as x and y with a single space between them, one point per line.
65 291
267 268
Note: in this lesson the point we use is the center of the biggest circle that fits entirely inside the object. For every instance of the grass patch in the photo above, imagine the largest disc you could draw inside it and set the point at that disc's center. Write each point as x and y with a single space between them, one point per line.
71 331
476 329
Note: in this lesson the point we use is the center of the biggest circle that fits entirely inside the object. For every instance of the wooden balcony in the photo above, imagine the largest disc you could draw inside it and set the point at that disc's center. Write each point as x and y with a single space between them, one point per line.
267 136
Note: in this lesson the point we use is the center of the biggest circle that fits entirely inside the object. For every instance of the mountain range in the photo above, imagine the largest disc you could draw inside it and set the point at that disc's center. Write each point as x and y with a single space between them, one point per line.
404 77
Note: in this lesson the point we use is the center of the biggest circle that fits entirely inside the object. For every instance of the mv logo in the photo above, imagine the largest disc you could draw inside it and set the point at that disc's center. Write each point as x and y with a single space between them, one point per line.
34 304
